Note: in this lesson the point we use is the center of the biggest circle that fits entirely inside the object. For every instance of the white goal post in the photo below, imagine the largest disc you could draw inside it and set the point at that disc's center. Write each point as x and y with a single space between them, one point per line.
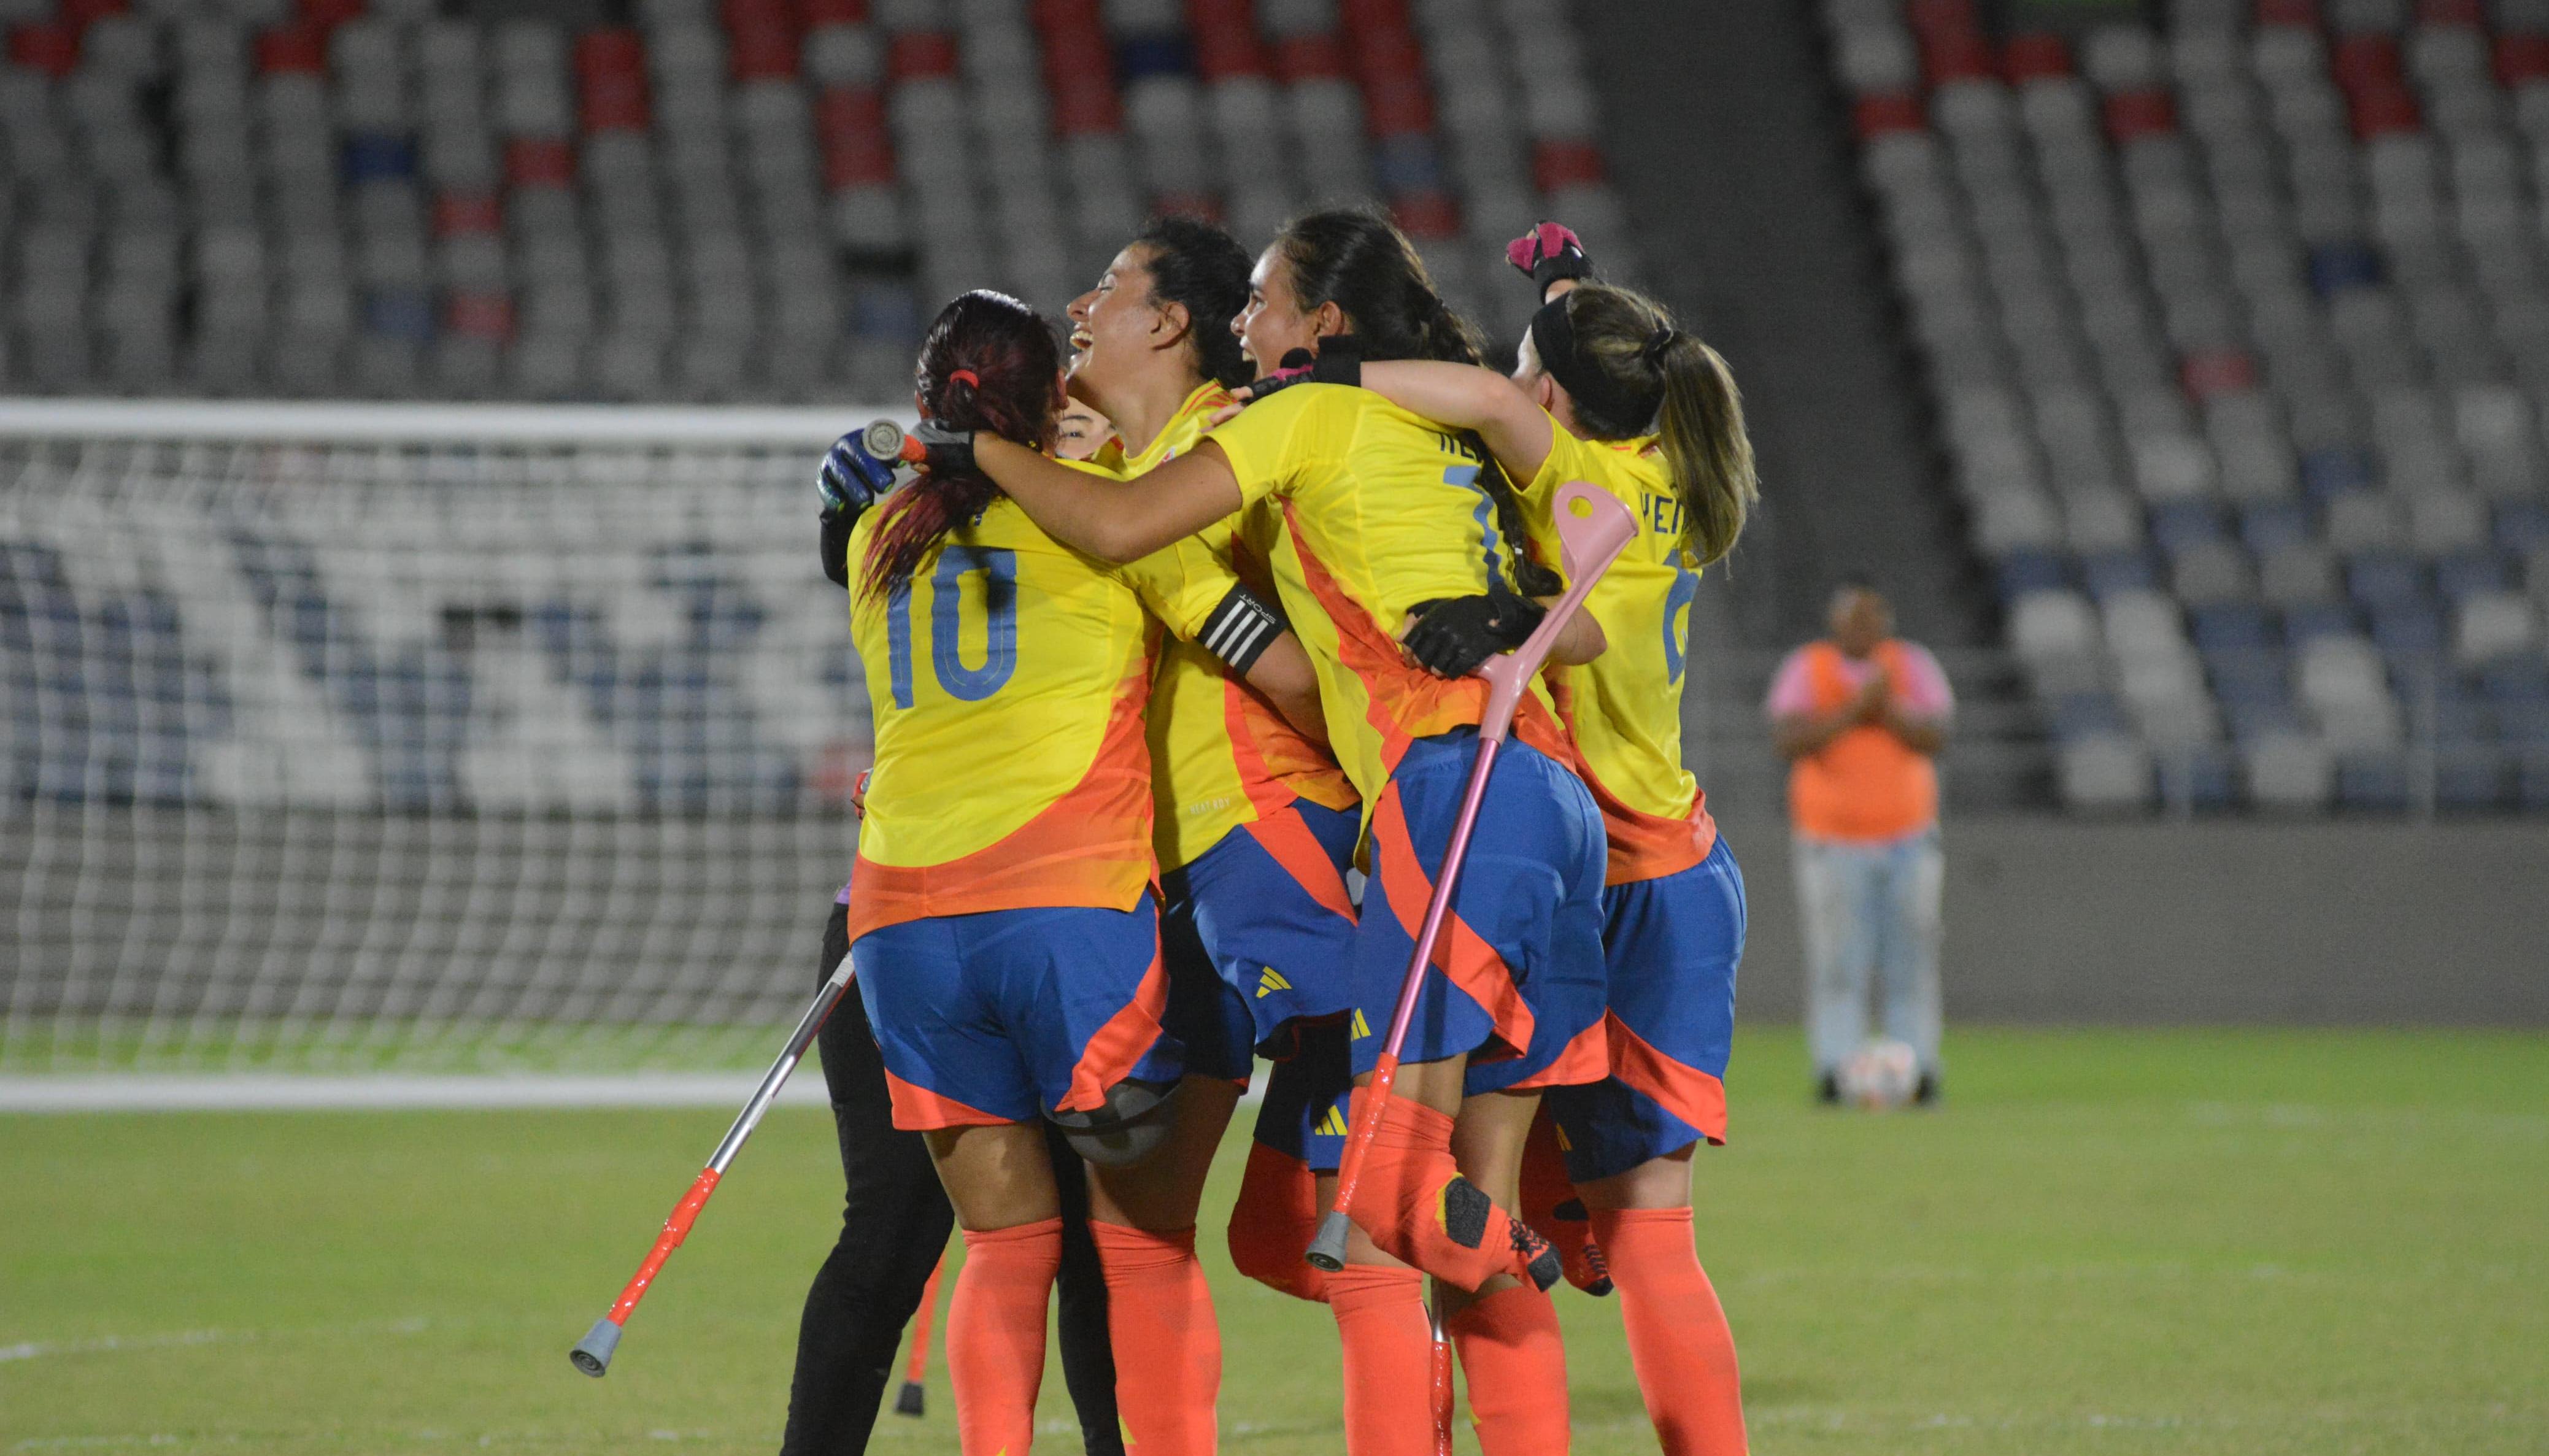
383 738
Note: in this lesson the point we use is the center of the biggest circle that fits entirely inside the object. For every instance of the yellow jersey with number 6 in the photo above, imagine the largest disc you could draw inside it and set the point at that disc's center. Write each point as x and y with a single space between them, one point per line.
1622 709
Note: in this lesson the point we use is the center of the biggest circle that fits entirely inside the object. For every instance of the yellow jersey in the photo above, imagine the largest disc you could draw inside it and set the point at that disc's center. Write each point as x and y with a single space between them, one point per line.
1008 681
1622 709
1382 509
1221 756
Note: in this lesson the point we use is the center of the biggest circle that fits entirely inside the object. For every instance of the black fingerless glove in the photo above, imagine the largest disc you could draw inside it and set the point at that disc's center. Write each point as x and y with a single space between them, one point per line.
1548 252
950 451
1453 635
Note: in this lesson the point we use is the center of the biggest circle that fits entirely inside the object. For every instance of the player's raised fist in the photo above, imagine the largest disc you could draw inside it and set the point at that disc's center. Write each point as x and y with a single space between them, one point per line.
1548 252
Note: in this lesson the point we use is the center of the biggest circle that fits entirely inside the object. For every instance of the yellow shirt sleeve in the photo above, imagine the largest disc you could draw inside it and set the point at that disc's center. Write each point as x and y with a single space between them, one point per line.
1280 439
1181 583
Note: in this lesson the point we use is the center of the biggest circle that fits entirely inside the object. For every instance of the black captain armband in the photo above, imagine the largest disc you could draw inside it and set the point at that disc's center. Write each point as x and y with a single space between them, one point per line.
1240 630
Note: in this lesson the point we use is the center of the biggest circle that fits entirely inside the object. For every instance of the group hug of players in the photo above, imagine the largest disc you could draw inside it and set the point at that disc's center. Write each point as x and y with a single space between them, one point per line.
1137 718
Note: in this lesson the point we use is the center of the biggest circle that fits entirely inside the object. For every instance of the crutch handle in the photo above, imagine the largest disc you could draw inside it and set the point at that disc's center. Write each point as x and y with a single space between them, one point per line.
1593 528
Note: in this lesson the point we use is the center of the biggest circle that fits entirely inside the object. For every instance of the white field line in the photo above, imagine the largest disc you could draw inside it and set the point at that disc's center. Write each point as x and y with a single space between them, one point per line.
267 1092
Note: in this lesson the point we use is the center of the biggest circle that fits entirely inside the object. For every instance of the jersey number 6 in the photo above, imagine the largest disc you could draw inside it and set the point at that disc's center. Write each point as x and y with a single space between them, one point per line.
1000 572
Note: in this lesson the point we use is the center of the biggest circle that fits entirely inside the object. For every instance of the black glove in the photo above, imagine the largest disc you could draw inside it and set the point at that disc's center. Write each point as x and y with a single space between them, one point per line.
1453 635
1548 252
837 525
950 451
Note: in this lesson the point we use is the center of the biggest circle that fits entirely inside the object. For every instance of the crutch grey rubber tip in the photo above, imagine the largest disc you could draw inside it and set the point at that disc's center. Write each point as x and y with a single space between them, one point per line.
912 1399
592 1354
1328 1251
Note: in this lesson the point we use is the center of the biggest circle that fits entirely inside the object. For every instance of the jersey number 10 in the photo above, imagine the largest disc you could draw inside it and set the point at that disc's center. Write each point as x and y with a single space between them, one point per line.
999 573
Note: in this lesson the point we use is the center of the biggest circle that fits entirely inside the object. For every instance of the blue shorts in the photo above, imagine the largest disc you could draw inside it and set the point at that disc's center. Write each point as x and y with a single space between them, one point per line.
1004 1016
1305 1109
1673 945
1525 987
1259 932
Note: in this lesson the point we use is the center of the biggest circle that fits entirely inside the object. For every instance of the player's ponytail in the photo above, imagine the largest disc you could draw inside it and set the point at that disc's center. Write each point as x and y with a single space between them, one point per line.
1368 269
1202 269
1629 371
989 363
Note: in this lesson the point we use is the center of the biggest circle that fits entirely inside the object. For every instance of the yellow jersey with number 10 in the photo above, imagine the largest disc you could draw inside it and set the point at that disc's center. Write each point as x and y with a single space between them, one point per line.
1008 681
1622 709
1220 755
1383 510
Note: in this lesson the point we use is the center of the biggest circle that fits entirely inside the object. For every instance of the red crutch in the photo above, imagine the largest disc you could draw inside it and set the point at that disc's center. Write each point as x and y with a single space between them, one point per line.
1593 529
592 1354
913 1398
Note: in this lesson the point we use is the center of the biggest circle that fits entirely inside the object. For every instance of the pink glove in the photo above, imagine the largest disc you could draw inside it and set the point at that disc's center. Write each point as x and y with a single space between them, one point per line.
1548 252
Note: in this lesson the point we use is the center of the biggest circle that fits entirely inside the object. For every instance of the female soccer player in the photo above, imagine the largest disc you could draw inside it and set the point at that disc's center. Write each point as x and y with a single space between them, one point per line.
1394 520
1000 921
1254 825
1609 391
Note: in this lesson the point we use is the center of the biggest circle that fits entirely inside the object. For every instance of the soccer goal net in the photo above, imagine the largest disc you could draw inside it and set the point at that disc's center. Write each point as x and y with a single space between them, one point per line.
415 738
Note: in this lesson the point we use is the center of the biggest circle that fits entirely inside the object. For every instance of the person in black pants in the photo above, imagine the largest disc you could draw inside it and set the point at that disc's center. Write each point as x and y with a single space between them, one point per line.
894 1225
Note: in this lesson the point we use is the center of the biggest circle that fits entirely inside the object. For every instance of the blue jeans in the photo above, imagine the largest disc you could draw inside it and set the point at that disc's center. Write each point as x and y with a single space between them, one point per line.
1870 907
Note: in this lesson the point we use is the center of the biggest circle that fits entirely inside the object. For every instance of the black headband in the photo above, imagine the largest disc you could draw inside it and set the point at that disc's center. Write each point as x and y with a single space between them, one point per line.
1552 334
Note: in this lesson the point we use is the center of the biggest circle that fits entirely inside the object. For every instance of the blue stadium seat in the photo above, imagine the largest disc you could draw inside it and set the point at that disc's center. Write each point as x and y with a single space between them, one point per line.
2412 631
2262 718
2470 777
2384 579
2333 470
2029 569
2466 573
2521 524
2237 626
2309 620
2176 525
2375 782
2110 572
2087 715
2268 526
2203 776
2337 266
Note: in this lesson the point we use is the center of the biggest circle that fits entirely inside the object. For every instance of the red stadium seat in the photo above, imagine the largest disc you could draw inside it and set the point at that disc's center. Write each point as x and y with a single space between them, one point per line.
2521 58
2365 61
487 315
458 214
1875 115
610 80
2133 114
2468 15
1305 58
833 12
858 150
2380 111
1428 215
539 161
1557 163
1396 105
327 15
1957 56
292 49
1086 103
1930 17
2037 55
2288 11
2217 372
79 15
916 54
54 49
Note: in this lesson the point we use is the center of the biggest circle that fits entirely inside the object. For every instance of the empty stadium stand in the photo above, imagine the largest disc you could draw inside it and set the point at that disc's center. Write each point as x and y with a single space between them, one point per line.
2240 329
711 199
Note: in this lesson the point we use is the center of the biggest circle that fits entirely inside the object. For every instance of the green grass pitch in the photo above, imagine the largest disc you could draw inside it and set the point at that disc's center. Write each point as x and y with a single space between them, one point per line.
2106 1244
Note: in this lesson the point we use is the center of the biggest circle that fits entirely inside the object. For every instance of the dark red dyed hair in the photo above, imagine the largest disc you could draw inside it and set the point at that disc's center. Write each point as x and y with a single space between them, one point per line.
1014 391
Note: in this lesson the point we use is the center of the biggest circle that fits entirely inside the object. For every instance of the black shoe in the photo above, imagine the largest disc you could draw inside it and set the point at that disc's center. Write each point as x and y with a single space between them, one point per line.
1926 1093
1827 1091
912 1400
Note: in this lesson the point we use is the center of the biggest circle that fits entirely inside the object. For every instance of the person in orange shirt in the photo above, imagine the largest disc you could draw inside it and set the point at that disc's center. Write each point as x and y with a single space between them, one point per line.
1860 717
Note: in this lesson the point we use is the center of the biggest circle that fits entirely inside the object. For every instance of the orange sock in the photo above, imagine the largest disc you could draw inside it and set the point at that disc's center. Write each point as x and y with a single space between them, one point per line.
1553 1212
1271 1223
1417 1207
1388 1358
1677 1334
996 1335
1516 1369
1167 1349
